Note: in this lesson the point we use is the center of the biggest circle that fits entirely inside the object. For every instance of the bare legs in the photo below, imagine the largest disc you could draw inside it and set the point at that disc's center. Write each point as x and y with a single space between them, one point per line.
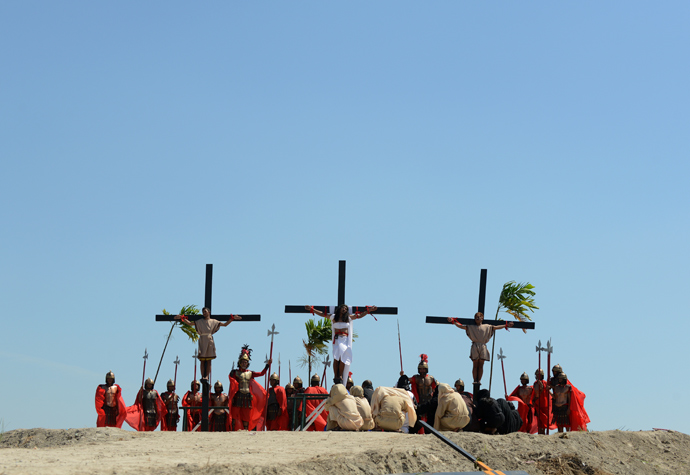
338 368
477 370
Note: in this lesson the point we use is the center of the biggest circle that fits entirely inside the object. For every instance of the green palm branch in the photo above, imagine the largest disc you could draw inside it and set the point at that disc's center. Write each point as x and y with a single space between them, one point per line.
189 330
318 335
517 299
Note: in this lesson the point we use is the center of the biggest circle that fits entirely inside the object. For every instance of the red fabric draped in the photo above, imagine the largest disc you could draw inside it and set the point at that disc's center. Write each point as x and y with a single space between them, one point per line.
136 417
529 427
121 407
280 422
413 390
193 416
578 416
542 407
320 423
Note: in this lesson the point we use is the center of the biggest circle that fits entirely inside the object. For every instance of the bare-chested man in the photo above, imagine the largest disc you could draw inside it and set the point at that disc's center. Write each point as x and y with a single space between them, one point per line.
206 327
480 334
561 402
524 393
192 398
110 406
171 401
220 418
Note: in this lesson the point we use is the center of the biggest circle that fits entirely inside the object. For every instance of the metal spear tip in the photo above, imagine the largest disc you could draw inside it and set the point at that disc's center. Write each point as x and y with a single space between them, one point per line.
500 354
146 354
549 348
177 360
266 360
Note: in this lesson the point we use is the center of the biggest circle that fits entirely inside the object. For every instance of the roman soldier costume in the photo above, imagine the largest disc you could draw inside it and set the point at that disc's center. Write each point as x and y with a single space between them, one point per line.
248 397
110 406
522 395
220 418
148 410
311 404
192 398
171 401
276 406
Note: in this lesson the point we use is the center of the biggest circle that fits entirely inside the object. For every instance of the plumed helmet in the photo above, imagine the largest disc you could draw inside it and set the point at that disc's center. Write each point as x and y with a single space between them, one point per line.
147 382
524 377
171 384
274 377
245 354
196 385
315 380
218 386
460 383
539 372
109 375
424 362
297 381
557 369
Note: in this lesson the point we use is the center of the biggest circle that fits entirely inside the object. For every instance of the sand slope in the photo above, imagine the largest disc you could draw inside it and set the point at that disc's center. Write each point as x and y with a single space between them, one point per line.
114 451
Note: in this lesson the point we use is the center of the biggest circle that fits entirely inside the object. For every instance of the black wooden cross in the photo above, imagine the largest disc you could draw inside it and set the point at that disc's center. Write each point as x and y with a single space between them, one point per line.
222 318
341 300
470 321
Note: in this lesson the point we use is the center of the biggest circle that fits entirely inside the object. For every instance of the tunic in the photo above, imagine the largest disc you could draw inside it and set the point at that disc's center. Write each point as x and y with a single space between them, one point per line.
452 413
480 335
206 329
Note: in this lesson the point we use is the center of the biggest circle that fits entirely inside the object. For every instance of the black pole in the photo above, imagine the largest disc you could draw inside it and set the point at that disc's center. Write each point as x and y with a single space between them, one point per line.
209 286
482 291
341 282
204 404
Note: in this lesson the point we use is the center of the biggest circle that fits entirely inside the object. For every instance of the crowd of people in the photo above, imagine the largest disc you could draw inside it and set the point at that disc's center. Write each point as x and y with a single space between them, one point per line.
549 404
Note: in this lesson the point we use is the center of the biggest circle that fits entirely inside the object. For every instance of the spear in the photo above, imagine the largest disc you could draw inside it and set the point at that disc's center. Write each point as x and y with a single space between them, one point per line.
549 350
400 347
501 357
539 350
146 356
289 371
271 332
177 362
326 364
266 375
278 366
163 354
196 357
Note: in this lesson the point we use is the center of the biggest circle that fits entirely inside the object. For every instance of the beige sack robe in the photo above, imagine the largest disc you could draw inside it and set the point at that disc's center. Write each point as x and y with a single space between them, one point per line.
342 410
363 407
388 408
452 413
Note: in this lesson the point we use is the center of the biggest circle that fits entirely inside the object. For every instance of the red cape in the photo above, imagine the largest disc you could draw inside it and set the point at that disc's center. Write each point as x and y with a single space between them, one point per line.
280 422
164 423
258 403
578 416
187 403
413 390
542 408
121 407
319 423
524 410
135 413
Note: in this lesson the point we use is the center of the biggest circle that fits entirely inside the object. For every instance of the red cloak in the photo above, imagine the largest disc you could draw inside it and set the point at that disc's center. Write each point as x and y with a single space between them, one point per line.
578 416
280 422
319 423
413 390
121 407
193 415
542 407
525 410
136 417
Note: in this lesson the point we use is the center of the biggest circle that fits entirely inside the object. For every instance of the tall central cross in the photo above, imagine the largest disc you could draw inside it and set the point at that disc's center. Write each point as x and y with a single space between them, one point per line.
222 318
470 321
341 300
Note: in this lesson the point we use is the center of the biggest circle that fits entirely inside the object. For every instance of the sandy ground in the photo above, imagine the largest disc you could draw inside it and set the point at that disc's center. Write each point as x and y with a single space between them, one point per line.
114 451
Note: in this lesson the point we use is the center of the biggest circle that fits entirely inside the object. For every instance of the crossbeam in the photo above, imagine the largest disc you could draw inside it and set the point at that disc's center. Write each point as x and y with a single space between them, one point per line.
470 321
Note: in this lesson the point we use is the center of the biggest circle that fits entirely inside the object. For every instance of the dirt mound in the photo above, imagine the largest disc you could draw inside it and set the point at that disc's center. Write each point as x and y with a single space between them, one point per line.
88 451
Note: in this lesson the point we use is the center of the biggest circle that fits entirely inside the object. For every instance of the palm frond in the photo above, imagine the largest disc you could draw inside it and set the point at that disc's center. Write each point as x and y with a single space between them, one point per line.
517 299
189 330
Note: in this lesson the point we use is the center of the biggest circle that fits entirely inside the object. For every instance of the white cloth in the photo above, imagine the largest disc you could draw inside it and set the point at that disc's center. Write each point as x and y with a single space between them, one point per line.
342 347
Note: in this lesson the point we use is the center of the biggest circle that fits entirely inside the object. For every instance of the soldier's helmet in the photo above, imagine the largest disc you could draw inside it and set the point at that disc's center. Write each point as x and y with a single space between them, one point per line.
171 385
147 382
315 380
539 372
524 377
557 369
218 386
562 377
423 363
110 375
274 377
460 383
289 386
297 381
196 385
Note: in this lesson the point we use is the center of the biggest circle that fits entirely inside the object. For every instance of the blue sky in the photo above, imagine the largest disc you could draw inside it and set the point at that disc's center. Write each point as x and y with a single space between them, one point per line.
546 142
